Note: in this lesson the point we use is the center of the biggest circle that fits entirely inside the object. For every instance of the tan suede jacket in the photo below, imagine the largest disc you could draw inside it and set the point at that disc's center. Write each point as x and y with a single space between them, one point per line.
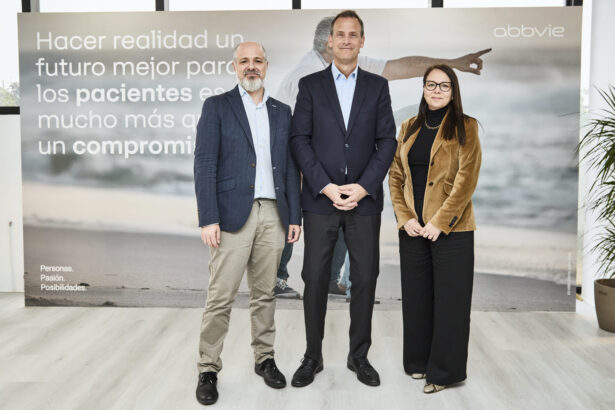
451 180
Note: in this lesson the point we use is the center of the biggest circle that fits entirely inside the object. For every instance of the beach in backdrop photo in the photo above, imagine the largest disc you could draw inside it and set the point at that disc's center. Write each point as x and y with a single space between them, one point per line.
109 103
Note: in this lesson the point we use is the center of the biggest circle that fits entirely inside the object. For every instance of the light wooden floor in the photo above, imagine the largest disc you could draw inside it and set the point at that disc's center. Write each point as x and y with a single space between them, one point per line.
144 358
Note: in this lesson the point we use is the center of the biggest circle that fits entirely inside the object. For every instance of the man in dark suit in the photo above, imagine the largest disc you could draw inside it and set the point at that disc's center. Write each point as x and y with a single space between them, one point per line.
343 140
247 190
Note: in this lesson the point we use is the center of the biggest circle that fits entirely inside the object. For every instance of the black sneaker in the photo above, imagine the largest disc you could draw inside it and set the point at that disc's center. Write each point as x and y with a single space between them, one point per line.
336 289
282 290
376 301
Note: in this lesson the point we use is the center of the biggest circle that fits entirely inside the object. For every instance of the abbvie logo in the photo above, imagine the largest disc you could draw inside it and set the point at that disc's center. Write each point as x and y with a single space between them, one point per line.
529 31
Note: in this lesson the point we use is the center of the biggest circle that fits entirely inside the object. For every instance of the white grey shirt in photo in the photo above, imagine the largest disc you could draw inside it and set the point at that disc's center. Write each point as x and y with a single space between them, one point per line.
311 63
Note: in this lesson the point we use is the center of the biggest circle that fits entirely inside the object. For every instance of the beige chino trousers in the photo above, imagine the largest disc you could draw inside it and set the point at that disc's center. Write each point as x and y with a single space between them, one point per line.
256 247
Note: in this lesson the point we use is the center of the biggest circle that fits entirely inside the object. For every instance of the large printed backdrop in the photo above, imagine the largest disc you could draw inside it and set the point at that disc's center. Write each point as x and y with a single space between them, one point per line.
110 101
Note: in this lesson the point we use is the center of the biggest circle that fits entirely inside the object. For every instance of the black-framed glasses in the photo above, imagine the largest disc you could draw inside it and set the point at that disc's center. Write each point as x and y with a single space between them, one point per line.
444 86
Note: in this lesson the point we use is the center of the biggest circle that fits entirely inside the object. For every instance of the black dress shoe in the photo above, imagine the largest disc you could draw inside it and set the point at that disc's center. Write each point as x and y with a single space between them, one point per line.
305 373
365 372
206 392
270 373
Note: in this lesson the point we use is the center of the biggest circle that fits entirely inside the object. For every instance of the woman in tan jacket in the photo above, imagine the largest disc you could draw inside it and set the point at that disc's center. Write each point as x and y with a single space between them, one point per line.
432 179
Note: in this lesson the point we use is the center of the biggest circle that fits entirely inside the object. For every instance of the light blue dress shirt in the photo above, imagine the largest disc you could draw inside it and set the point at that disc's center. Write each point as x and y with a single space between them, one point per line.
345 93
345 90
258 118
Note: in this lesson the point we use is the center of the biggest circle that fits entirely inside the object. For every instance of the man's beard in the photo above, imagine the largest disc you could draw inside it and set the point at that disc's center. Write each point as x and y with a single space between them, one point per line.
251 85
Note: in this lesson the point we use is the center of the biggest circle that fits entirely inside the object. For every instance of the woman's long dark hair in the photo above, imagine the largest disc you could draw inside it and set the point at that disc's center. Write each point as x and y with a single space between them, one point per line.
454 123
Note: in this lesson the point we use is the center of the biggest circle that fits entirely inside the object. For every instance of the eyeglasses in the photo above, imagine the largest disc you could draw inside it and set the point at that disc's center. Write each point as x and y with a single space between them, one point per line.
444 86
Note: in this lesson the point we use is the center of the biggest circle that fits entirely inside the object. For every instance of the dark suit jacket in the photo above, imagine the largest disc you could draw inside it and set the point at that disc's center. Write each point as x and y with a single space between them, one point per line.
225 163
326 152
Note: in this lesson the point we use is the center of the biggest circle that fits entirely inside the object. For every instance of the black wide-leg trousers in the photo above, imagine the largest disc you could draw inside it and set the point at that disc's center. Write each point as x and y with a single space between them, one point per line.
362 235
436 283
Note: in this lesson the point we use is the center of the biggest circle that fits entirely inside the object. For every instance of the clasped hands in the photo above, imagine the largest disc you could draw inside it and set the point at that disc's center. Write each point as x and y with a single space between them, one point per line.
354 193
414 229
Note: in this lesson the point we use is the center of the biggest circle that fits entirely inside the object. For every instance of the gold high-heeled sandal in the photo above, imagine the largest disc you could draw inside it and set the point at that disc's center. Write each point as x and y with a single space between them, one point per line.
433 388
418 376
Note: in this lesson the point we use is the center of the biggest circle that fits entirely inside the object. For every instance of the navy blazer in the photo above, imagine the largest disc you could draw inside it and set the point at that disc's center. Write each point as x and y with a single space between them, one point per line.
328 153
225 163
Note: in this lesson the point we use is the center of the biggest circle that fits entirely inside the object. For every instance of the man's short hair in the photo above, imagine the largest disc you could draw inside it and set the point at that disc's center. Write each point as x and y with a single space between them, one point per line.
237 46
321 34
348 13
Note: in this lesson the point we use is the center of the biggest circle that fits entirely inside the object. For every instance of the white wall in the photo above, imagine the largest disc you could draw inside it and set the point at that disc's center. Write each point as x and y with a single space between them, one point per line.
11 238
601 74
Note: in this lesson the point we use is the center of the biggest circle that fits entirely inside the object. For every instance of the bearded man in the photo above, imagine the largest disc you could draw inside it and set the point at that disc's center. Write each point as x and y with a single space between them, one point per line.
247 189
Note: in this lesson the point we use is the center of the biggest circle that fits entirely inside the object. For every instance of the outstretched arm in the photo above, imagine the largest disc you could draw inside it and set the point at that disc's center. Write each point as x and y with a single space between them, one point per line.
415 66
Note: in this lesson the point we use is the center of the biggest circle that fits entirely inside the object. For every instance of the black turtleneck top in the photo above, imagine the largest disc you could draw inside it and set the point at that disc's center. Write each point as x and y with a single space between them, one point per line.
418 157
